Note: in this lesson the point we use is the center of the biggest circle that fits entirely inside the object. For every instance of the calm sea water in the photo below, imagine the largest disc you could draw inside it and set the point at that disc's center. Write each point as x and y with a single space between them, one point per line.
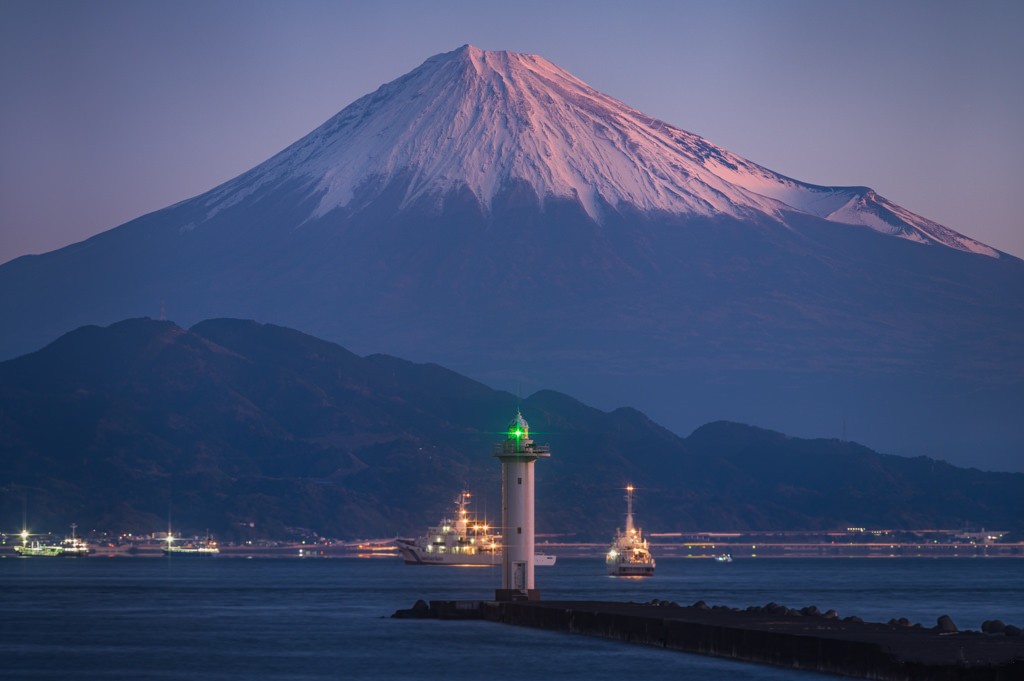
229 618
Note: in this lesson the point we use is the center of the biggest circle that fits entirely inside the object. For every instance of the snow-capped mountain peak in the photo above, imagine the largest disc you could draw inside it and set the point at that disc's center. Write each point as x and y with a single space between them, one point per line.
482 120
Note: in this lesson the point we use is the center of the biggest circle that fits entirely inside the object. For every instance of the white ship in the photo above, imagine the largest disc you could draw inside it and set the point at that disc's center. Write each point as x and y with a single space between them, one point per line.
629 555
461 540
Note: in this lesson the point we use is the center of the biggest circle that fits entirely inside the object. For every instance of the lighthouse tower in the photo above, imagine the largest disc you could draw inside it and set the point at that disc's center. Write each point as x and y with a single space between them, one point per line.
517 454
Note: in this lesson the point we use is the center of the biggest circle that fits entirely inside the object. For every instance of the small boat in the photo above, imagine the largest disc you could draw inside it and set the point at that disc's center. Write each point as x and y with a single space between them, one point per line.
461 539
723 558
630 555
543 560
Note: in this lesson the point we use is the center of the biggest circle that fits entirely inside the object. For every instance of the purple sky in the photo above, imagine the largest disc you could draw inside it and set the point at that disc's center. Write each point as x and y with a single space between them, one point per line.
110 110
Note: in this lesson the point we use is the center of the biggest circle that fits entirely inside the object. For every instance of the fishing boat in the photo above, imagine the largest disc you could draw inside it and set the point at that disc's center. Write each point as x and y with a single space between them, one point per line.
38 549
629 555
460 539
723 558
206 548
70 547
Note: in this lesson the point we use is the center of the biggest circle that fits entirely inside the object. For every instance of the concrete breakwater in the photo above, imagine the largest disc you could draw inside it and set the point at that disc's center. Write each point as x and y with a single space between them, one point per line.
775 635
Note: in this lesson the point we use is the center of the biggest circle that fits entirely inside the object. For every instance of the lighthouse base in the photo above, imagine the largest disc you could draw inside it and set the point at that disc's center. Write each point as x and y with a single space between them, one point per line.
517 595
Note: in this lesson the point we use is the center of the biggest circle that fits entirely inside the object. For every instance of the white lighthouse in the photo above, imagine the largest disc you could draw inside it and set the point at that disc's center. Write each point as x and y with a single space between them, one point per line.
517 454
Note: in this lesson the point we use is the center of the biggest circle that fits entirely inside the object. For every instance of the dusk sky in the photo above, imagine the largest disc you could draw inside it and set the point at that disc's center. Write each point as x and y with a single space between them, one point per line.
114 109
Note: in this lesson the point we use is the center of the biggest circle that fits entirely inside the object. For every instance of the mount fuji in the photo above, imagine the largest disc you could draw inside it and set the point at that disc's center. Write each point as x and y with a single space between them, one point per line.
490 212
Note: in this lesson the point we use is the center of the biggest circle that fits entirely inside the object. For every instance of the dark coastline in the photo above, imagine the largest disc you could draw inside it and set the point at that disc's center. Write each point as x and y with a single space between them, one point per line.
380 548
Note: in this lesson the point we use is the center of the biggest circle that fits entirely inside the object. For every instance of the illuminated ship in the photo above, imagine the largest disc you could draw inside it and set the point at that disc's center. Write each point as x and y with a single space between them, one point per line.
36 548
204 549
462 540
71 547
629 555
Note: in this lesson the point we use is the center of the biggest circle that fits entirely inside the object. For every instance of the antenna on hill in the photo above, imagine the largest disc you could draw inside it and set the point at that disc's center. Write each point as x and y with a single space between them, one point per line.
163 311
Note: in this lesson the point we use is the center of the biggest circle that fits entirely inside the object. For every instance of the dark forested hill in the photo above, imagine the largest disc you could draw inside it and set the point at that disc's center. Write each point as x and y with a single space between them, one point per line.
250 429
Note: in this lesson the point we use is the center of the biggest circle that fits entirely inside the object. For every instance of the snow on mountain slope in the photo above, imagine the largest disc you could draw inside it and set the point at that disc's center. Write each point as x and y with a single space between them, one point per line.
481 120
849 205
882 215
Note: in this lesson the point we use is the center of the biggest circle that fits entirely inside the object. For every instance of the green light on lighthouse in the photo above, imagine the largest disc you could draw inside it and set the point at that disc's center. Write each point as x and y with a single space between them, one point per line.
518 429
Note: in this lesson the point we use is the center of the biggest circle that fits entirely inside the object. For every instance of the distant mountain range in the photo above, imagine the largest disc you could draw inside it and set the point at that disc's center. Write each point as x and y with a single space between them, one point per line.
233 423
490 212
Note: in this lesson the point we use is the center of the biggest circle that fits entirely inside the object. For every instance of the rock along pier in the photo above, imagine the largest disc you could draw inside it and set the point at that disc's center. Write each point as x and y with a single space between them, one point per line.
772 634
